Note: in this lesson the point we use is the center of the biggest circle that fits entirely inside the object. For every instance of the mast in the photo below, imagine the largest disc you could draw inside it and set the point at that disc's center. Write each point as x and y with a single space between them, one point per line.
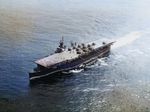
61 43
62 39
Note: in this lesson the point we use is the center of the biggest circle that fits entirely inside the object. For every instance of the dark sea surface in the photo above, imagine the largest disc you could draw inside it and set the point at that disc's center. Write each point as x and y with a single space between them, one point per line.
31 29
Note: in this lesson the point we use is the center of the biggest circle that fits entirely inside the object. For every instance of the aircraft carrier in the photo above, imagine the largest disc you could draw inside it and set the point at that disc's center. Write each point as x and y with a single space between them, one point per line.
65 59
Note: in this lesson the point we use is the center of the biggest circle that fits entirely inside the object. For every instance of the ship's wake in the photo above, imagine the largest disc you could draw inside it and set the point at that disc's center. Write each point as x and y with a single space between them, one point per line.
129 38
125 40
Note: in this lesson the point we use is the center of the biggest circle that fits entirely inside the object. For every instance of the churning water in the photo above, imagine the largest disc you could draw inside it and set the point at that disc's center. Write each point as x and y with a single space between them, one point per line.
31 29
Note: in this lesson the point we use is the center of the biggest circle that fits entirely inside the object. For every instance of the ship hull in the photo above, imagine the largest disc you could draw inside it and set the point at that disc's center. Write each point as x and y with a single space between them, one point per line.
73 64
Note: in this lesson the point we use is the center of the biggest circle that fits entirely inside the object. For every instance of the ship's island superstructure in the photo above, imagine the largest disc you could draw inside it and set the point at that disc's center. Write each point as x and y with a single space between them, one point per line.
65 59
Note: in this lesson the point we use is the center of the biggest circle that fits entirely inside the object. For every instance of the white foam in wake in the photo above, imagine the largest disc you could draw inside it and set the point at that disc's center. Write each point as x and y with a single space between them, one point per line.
76 71
129 38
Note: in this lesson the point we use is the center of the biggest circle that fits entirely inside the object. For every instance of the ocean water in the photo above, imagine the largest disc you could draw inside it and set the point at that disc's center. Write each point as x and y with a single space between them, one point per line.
31 29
